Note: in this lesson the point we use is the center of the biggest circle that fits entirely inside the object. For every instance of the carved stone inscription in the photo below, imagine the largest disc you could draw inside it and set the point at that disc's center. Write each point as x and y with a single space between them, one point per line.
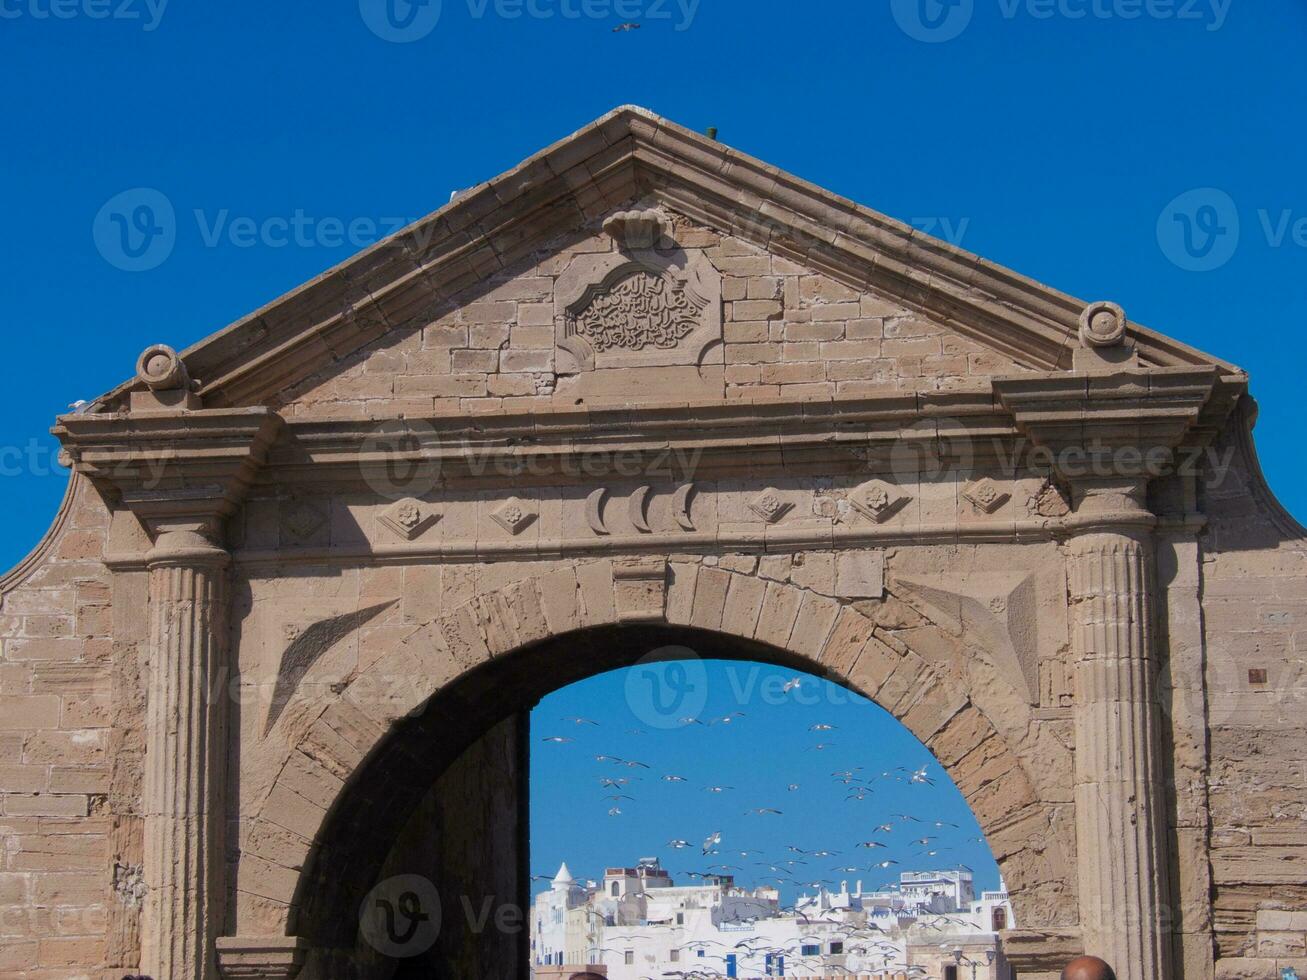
641 310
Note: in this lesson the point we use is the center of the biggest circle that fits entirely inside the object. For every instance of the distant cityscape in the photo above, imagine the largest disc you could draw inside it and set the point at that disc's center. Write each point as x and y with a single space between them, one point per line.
638 923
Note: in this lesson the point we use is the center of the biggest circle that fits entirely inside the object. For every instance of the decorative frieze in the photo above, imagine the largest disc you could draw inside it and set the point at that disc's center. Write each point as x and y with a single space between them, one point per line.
513 515
303 519
877 500
770 505
408 518
986 495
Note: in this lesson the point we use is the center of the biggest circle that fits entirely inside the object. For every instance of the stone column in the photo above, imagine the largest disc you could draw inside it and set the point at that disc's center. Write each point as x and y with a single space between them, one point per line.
1120 785
185 760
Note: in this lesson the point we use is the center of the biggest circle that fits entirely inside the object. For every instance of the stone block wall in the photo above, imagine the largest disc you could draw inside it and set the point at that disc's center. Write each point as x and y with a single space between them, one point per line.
60 809
787 331
1255 613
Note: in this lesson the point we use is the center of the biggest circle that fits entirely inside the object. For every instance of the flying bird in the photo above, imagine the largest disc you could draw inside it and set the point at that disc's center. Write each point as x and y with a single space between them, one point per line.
558 739
623 28
711 841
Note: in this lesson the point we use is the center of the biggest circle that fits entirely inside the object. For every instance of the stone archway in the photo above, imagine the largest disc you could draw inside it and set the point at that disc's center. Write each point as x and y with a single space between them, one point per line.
390 733
648 379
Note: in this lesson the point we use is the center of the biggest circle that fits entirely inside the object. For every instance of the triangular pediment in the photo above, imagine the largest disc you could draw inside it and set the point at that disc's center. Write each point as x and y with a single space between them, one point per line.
539 284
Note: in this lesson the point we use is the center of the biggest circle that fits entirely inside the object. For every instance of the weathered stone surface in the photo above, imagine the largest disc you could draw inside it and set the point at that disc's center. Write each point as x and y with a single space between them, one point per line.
414 436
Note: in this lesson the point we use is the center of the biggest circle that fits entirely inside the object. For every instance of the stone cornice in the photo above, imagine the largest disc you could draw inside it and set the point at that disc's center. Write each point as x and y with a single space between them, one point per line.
581 445
203 461
1146 410
404 279
172 467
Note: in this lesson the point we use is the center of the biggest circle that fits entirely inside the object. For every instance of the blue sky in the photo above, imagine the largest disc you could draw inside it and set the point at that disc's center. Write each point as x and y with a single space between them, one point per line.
1134 150
1050 142
768 745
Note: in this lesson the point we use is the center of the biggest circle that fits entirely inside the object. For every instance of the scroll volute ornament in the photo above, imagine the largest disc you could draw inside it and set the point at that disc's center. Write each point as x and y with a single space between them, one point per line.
1102 325
167 382
1105 341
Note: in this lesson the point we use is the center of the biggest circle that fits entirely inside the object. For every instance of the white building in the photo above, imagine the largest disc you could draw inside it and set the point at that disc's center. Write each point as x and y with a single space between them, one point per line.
637 922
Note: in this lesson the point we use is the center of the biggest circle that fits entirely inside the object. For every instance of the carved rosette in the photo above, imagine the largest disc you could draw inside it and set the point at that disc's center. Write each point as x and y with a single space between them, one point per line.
770 505
877 500
408 518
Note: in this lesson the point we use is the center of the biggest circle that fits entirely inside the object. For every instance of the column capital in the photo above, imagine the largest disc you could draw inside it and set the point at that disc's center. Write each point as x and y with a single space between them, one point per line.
1112 504
181 472
188 546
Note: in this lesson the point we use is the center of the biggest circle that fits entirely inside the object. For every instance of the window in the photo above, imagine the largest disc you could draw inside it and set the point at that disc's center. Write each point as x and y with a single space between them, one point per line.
950 973
999 919
730 965
616 889
836 949
629 959
680 918
675 956
810 949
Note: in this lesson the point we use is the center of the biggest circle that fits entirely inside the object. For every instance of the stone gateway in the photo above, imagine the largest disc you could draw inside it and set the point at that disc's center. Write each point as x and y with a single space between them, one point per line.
644 392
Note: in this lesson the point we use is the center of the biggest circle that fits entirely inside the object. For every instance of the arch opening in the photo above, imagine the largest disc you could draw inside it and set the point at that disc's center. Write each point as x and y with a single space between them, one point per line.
472 733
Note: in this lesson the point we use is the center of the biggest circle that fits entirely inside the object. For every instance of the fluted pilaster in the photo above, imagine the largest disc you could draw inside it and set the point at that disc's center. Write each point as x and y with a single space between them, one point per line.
1120 787
184 773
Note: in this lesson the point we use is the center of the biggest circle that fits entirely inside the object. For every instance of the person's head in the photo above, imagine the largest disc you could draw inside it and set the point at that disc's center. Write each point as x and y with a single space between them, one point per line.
1087 968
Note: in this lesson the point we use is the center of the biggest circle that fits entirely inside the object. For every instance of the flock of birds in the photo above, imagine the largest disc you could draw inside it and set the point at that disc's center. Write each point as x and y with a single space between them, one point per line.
622 781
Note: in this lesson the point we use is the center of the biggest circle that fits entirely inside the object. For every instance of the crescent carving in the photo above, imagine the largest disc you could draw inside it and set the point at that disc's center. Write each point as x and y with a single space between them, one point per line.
594 511
681 506
636 507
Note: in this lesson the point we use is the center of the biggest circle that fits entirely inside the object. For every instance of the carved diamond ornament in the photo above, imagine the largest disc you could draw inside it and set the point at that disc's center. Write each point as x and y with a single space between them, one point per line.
513 515
408 518
986 495
769 506
877 500
303 519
